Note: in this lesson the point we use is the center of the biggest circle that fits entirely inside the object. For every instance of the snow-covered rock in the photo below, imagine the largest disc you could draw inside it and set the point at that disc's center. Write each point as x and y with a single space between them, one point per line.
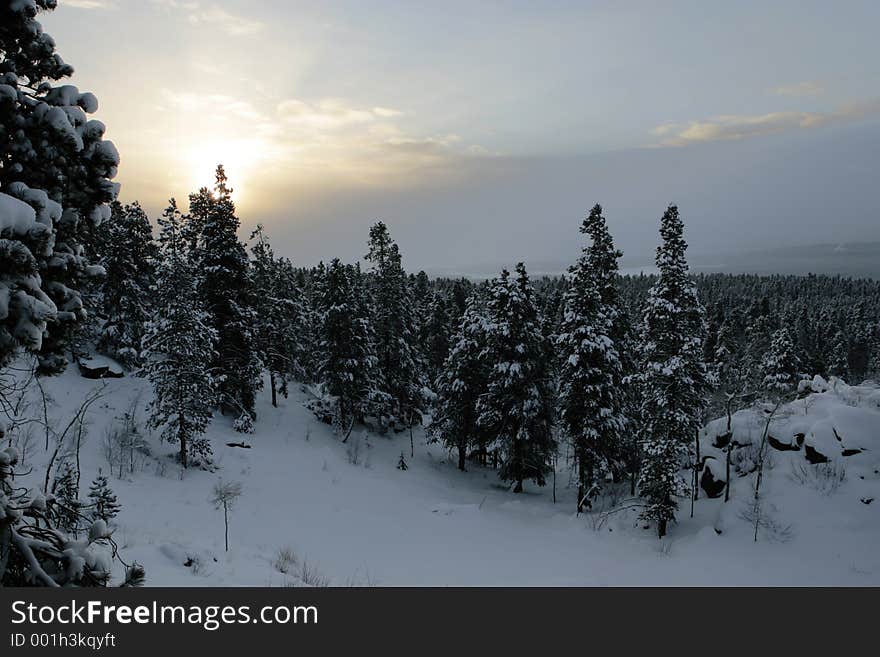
100 367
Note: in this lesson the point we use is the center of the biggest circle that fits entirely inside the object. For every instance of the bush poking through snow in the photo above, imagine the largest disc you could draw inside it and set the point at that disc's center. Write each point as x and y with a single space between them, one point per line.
285 561
311 576
823 477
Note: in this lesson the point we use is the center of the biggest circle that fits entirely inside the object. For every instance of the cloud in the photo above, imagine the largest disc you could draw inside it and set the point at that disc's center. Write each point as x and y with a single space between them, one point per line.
177 4
216 104
198 13
738 126
90 4
326 114
232 24
316 140
800 89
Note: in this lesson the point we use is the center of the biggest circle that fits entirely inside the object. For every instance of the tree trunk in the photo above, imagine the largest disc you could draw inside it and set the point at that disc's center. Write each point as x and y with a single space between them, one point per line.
272 385
727 470
226 525
181 438
729 449
519 485
462 452
581 475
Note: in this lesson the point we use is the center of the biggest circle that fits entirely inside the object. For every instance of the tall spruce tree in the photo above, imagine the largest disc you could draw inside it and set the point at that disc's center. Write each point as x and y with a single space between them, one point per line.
27 239
780 364
396 328
461 382
838 361
55 158
517 408
279 314
672 376
591 396
226 289
436 338
348 361
130 267
179 345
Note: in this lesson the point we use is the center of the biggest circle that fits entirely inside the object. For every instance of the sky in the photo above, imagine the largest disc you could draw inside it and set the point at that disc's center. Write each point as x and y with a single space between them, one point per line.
483 132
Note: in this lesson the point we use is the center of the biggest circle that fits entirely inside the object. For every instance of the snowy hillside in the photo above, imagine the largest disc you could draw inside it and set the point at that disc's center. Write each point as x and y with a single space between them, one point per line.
344 514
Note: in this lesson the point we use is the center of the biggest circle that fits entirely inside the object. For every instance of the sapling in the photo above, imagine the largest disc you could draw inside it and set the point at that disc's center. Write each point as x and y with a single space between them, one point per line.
224 496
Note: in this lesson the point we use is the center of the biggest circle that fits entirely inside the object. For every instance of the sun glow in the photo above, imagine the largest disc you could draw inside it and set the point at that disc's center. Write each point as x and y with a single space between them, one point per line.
239 157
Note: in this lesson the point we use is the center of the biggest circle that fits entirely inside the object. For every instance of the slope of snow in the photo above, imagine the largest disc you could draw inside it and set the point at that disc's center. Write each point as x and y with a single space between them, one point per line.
369 523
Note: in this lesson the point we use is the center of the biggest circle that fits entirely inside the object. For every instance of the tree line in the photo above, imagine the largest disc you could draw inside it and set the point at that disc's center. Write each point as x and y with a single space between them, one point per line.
620 371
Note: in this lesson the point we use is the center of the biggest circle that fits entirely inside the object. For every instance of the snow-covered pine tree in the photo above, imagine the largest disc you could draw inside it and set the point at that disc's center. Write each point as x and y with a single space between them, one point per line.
436 336
860 342
727 355
26 242
313 322
517 408
278 313
64 503
462 380
226 289
759 330
35 551
179 345
591 397
780 364
348 361
672 377
838 364
102 500
395 324
50 150
130 265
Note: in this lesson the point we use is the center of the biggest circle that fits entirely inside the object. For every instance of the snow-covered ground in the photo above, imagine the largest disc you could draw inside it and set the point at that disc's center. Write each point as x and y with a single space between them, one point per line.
370 523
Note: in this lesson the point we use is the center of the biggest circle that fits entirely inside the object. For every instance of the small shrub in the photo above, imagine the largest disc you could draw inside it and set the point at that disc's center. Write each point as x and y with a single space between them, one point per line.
285 561
823 477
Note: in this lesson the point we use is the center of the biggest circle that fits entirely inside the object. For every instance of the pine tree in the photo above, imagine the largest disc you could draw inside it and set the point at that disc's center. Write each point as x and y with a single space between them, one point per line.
27 240
436 336
279 314
517 408
313 319
591 398
179 346
672 376
838 364
102 500
225 287
65 493
780 364
726 358
463 379
348 360
54 158
395 323
130 266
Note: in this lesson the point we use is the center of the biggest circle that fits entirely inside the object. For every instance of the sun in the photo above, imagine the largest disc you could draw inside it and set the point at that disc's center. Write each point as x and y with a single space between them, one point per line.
239 157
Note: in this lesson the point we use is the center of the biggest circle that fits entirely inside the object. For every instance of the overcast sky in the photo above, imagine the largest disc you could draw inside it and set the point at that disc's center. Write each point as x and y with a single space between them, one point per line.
482 132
